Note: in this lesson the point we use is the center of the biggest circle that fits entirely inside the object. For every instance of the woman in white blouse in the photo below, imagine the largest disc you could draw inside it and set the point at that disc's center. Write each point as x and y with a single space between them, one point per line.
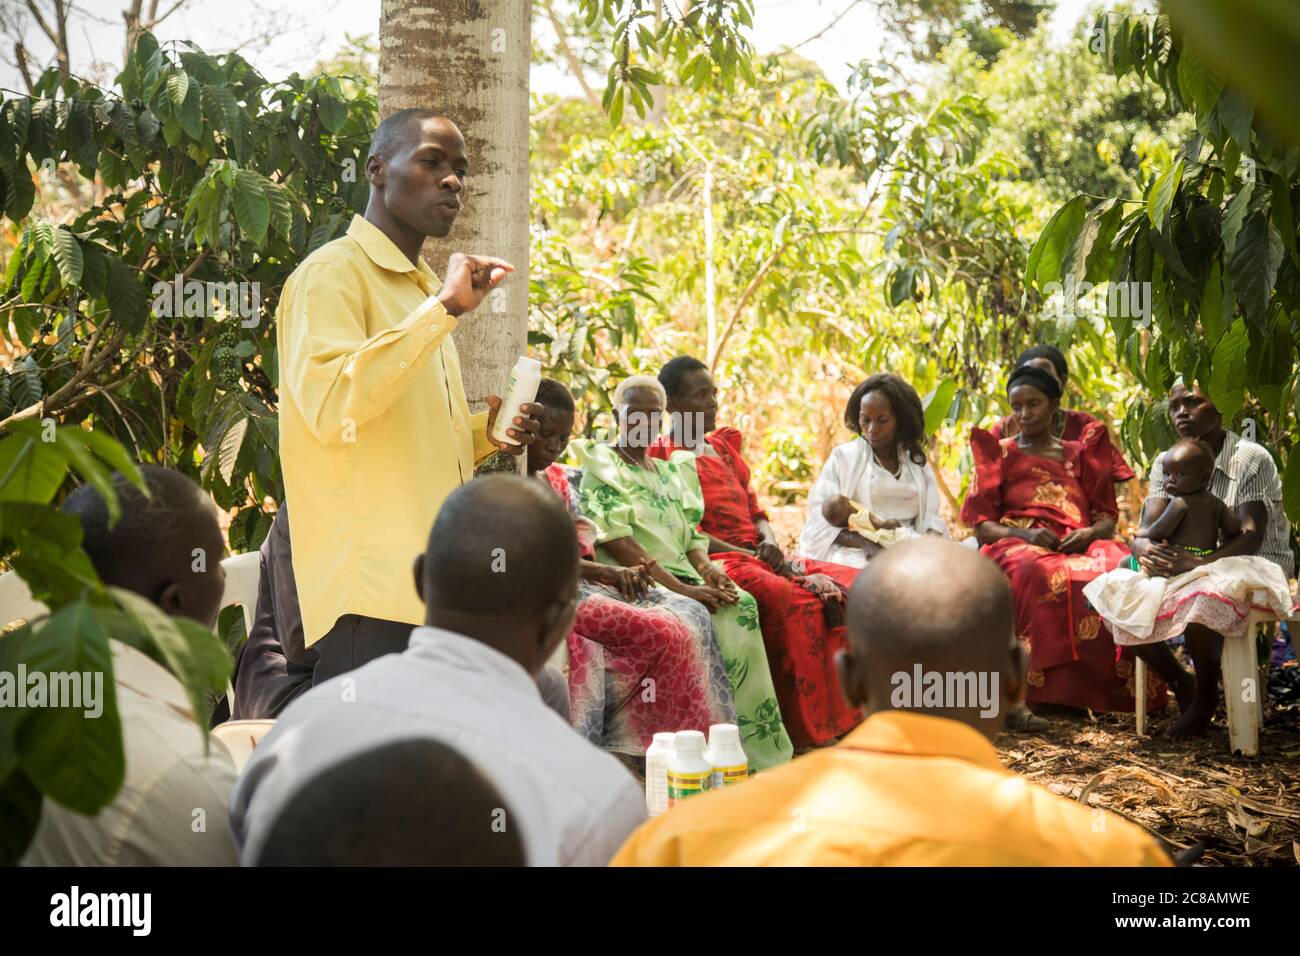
881 474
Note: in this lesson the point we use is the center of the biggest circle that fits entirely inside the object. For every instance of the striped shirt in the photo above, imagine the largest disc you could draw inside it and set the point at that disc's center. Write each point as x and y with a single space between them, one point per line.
1244 471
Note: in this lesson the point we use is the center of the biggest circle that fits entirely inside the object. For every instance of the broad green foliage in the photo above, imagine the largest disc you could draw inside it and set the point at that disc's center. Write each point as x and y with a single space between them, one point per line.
142 327
1213 233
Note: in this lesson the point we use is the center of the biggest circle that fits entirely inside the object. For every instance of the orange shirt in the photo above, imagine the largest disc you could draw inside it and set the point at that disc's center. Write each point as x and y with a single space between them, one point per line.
902 789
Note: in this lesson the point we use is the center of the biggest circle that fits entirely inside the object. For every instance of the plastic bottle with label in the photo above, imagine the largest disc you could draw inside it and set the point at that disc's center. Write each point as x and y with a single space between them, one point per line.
727 756
657 756
689 771
522 389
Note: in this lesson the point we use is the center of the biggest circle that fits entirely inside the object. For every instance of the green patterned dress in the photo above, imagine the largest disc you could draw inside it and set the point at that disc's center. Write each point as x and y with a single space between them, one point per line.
661 512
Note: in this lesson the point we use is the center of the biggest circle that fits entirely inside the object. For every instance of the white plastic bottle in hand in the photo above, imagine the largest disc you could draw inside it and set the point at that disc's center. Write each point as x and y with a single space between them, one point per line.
522 389
657 756
689 771
726 756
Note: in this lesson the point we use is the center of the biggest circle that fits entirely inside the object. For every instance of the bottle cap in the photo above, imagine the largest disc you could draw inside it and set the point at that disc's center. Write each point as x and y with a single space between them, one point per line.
688 742
722 736
664 740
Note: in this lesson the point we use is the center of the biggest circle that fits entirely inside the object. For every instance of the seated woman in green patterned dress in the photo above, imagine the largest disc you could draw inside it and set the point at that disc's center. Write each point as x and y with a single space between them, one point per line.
647 511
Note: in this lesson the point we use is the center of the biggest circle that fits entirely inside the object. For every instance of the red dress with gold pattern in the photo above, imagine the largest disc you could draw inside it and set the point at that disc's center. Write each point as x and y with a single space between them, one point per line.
1072 658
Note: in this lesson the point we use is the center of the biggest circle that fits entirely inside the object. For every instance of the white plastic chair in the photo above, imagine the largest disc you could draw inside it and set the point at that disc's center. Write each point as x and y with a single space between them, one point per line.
1241 672
240 737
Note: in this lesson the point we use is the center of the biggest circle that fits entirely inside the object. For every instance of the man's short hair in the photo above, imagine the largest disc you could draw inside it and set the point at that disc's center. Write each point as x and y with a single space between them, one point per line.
675 371
413 802
174 505
391 133
501 544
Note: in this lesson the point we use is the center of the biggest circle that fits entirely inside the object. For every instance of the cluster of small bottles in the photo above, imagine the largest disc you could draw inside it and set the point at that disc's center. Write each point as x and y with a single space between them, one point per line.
679 765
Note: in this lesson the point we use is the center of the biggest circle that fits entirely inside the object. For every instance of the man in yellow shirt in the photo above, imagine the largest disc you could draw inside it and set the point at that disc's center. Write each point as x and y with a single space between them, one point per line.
918 783
375 430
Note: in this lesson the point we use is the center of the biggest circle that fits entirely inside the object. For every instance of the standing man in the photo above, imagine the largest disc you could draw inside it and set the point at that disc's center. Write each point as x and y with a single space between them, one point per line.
375 431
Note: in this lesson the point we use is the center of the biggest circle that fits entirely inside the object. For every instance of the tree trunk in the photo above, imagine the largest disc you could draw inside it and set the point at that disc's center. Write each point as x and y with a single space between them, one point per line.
469 59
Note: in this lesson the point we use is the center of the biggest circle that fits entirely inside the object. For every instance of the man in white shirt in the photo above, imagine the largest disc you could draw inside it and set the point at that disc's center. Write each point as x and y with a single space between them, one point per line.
499 581
172 808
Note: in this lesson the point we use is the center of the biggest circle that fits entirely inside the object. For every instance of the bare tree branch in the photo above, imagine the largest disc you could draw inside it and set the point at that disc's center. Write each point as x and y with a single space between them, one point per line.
575 65
20 59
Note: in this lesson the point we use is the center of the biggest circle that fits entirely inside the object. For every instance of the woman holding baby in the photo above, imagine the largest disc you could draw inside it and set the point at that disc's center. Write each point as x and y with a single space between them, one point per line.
1214 542
877 488
1044 509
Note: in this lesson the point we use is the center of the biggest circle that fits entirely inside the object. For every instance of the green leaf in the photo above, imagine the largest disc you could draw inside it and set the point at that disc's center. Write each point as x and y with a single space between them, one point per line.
127 301
178 86
72 757
1233 217
1045 258
1214 322
1253 267
1291 486
252 209
1196 81
1162 194
194 655
30 469
937 403
333 113
20 815
67 254
1228 370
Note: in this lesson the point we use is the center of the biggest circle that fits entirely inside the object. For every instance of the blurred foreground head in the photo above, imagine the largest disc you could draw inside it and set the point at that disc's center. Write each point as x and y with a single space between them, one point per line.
932 616
412 802
166 547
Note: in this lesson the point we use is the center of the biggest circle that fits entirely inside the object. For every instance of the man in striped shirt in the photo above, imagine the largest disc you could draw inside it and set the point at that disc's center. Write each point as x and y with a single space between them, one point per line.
1246 479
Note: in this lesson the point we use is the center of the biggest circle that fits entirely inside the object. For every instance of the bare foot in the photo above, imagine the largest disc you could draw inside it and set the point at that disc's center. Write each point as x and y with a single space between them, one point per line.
1194 722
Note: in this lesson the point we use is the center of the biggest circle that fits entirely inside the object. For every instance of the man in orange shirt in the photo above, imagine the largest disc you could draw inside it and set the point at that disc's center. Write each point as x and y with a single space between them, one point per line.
935 666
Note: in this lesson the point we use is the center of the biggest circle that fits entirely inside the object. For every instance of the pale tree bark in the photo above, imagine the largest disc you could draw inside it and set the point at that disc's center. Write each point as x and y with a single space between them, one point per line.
469 59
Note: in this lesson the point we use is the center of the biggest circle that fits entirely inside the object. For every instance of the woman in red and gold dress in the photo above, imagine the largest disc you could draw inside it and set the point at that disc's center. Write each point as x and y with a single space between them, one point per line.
1044 509
795 598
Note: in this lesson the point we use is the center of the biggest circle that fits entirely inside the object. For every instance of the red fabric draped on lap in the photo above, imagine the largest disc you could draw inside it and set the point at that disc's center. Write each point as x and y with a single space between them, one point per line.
1072 657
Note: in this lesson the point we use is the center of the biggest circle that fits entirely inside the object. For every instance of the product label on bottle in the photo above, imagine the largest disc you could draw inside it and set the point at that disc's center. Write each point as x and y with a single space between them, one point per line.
726 776
682 785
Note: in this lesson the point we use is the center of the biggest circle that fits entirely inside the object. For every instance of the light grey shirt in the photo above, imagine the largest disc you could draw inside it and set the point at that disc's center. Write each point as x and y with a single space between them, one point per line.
1244 471
571 803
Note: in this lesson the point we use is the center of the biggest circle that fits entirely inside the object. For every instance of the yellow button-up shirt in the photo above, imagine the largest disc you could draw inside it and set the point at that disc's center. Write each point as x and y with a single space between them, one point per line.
902 789
375 431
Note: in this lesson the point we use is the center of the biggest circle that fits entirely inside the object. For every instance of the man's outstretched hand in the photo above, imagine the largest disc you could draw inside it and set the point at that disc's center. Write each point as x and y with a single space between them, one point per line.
468 281
523 429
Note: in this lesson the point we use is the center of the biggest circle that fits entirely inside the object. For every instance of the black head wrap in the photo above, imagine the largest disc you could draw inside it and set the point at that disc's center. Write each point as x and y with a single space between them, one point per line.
1044 382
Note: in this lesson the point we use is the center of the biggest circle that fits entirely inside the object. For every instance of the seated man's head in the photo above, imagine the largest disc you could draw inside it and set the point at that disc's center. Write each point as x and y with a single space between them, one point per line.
945 651
166 547
692 396
412 802
501 566
1188 465
556 425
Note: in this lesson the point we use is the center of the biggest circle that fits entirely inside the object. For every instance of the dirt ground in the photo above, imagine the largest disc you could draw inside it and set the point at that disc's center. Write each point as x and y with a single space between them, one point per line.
1246 812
